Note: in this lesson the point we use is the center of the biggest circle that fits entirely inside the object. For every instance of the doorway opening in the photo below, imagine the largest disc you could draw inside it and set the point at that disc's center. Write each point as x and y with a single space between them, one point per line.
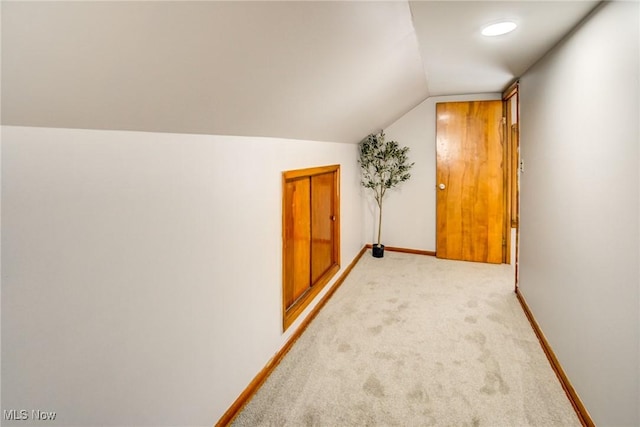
511 102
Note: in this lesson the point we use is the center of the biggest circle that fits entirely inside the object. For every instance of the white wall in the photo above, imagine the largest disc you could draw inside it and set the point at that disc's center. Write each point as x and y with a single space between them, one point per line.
409 211
579 208
142 271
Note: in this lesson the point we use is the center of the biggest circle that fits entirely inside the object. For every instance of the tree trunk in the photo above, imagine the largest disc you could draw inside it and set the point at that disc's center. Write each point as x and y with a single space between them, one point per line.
379 221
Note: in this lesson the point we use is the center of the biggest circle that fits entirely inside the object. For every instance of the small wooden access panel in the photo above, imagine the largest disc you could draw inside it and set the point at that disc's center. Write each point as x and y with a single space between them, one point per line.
310 235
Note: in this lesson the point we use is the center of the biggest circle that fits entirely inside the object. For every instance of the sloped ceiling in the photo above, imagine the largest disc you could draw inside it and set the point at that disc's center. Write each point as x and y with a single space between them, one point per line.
328 70
458 59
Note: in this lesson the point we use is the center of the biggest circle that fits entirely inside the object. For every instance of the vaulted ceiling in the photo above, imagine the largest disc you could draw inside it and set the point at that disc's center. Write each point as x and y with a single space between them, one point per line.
316 70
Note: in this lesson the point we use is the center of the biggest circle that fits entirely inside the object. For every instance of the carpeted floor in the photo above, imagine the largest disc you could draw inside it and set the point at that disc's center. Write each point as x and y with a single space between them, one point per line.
411 340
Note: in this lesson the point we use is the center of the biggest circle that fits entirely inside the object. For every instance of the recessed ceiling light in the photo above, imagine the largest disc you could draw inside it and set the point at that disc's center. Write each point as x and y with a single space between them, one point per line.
499 28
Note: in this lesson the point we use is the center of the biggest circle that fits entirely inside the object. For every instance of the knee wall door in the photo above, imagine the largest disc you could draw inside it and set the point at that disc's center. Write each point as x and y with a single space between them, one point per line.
311 235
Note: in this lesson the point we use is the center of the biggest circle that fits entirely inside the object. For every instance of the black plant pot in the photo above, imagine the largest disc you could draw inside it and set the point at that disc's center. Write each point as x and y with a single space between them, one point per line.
378 251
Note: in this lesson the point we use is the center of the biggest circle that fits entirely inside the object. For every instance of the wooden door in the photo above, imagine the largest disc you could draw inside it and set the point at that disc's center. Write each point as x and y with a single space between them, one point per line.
322 221
310 236
297 235
470 181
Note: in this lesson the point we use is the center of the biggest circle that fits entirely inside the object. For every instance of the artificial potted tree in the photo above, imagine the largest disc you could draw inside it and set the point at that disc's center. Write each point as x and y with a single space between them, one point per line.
384 165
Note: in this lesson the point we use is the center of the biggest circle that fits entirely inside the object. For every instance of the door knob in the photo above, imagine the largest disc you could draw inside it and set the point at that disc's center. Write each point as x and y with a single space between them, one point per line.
442 186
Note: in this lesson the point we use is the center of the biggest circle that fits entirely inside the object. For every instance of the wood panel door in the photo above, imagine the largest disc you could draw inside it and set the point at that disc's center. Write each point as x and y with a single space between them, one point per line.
470 202
310 235
297 234
322 223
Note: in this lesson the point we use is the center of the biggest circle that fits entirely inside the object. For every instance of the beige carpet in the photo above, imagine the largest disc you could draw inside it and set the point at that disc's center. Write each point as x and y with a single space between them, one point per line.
411 340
